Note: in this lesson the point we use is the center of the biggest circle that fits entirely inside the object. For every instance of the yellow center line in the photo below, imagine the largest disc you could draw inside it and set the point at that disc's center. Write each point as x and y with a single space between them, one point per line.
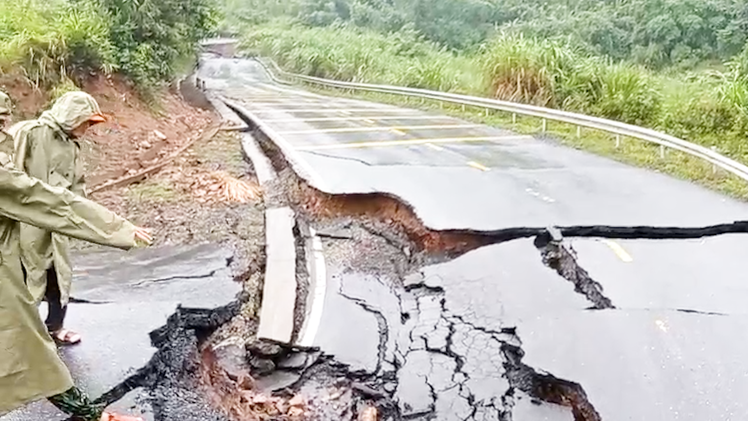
619 251
395 129
478 166
389 117
370 121
406 142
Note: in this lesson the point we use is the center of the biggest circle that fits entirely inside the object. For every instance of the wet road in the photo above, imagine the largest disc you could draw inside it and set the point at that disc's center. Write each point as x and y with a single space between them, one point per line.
670 350
120 298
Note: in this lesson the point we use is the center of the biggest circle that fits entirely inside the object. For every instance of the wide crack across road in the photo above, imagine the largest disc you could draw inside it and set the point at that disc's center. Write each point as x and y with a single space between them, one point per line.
442 360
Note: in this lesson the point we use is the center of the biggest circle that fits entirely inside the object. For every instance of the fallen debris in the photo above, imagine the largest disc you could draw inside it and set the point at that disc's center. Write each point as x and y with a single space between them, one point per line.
369 413
219 186
141 175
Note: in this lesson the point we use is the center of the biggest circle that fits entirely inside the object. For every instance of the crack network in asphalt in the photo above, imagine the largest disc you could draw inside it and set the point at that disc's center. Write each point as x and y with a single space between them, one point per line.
448 339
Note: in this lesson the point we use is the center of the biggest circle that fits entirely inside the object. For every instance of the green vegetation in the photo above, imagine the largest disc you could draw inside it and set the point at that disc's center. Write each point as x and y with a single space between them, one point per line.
654 33
52 40
676 66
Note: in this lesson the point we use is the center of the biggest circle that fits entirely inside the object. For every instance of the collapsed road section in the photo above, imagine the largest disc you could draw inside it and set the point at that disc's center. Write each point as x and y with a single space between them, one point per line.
439 322
410 319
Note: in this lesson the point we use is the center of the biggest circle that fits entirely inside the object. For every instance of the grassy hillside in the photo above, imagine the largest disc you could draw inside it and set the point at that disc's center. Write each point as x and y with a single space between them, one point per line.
708 107
677 66
51 42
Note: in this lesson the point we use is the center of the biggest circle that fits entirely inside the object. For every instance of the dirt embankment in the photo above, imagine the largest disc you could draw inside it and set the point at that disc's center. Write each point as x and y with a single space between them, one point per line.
193 199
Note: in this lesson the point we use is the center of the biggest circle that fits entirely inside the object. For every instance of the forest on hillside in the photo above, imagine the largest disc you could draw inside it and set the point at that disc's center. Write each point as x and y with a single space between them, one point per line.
680 66
655 33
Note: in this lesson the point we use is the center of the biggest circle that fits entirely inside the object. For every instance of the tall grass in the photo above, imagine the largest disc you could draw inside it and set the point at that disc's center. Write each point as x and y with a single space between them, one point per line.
49 39
353 54
706 107
53 40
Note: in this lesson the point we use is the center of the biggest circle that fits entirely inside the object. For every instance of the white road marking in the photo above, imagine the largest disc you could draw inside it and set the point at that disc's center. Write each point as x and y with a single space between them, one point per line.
540 195
312 321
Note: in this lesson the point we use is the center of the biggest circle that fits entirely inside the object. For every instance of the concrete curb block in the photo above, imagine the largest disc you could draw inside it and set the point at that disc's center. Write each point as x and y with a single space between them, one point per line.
278 303
263 167
317 289
279 290
232 122
277 311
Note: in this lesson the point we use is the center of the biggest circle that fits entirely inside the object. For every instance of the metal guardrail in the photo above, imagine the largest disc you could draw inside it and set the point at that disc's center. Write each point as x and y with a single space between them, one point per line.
580 120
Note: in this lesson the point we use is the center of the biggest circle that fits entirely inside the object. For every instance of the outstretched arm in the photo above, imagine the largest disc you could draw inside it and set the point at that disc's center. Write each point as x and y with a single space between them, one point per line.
33 202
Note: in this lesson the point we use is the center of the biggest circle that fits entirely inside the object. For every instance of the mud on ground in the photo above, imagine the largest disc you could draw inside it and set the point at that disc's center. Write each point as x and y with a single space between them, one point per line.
183 204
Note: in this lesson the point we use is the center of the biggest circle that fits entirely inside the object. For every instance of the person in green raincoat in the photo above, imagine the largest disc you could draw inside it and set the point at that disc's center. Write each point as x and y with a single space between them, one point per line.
6 106
48 149
30 368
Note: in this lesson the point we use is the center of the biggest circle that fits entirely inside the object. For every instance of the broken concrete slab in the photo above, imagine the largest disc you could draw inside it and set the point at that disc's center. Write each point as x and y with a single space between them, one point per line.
279 290
299 361
515 286
648 274
351 334
115 341
278 380
232 359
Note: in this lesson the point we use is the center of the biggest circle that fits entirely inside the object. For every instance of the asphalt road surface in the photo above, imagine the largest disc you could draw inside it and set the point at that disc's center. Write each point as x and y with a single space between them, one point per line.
120 298
672 349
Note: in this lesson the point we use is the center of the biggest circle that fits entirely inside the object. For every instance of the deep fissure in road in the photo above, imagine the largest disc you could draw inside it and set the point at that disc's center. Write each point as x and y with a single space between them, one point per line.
558 256
406 232
410 236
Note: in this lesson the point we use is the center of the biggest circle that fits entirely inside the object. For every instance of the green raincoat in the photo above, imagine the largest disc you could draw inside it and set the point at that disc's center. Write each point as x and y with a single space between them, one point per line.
45 150
6 106
30 368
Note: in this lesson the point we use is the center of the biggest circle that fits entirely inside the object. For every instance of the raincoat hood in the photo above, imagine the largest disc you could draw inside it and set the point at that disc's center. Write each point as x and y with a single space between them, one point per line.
71 110
6 106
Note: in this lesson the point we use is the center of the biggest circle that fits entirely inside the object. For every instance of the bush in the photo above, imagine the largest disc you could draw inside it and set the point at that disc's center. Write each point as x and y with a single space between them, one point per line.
626 93
527 70
49 39
555 74
152 36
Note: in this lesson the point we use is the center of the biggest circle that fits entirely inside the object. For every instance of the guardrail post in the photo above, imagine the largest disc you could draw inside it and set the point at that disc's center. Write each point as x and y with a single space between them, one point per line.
486 112
579 131
714 167
580 121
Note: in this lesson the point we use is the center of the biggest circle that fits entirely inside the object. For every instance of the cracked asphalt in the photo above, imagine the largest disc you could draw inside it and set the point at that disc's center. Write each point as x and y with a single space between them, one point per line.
482 336
119 298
